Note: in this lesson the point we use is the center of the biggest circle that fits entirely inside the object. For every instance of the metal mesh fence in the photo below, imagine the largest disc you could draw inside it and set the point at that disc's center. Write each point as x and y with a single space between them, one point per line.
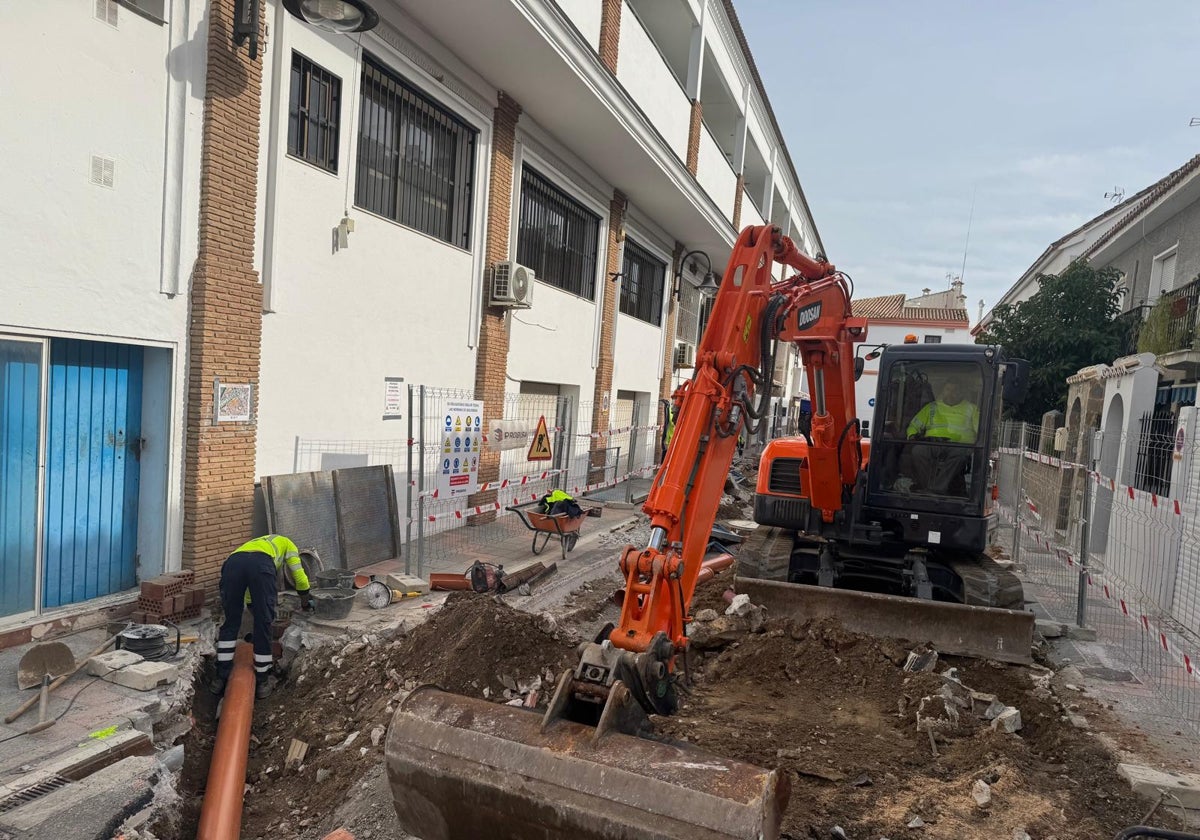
445 531
1098 550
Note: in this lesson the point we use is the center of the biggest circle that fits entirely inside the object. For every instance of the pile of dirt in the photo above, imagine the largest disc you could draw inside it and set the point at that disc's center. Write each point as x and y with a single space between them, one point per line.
837 713
340 699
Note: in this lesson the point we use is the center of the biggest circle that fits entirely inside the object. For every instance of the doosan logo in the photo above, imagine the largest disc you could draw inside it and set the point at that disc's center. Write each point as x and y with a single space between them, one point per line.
808 316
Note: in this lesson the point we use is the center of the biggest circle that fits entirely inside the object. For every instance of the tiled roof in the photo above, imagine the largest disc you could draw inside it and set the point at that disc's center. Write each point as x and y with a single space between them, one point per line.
887 306
892 308
1142 201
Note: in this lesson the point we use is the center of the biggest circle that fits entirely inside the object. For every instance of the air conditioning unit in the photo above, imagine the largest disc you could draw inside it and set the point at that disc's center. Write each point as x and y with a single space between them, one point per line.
512 286
685 355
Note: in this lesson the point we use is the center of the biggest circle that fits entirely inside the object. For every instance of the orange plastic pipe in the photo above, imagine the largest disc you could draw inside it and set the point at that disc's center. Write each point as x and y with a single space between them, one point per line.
221 811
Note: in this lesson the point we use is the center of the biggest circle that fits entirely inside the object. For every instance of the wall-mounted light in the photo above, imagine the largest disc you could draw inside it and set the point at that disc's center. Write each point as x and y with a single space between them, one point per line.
708 288
245 24
334 15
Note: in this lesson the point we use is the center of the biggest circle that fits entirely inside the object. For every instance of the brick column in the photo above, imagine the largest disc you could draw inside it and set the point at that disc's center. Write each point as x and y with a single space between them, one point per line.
610 33
491 360
737 203
693 149
225 330
668 370
604 370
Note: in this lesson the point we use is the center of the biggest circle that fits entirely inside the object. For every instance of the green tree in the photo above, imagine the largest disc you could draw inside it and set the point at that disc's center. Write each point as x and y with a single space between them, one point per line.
1067 325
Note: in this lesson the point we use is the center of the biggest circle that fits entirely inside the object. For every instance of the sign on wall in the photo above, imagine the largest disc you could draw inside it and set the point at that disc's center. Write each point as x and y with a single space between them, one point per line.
393 397
462 441
232 403
539 447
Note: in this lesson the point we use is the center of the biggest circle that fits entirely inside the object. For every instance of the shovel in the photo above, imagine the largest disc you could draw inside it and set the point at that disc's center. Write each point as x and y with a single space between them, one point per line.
53 658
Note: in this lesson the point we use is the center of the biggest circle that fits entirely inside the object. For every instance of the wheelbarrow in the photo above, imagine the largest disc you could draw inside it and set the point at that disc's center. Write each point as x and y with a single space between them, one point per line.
558 526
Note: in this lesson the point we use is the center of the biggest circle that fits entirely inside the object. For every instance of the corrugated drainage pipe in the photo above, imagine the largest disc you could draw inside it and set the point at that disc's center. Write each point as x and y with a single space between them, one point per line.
221 811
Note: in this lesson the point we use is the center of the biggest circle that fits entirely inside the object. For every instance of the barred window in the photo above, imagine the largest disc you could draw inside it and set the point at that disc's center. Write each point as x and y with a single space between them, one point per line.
706 310
416 160
314 114
642 284
557 237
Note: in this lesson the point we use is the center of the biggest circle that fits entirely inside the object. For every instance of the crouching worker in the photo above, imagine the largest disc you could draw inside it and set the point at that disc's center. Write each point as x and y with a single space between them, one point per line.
249 579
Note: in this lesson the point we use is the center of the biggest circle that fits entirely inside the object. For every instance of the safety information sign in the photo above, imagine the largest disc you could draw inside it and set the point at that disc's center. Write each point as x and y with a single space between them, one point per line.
462 441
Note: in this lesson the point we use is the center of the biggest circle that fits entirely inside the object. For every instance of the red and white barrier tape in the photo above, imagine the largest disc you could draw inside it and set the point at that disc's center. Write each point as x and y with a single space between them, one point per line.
496 485
621 431
1132 492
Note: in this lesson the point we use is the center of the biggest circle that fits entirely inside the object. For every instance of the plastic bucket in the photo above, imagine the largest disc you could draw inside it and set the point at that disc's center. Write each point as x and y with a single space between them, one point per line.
333 603
335 579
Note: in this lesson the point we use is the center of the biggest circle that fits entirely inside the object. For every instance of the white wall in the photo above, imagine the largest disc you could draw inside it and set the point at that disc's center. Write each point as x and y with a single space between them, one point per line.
394 303
553 341
715 174
98 262
585 15
641 69
638 357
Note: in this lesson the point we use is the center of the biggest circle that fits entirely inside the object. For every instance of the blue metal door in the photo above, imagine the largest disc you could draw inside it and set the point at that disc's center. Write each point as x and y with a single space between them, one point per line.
20 448
93 443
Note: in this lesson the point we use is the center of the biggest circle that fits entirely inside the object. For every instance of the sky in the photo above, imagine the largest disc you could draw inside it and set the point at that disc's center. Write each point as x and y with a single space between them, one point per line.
899 115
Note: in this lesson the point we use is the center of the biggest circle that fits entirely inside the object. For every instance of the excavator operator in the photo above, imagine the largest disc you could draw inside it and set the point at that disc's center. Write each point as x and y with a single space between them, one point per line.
950 418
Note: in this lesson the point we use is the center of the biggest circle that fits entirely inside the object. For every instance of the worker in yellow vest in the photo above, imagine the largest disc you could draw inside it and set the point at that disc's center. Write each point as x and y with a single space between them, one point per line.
249 579
951 418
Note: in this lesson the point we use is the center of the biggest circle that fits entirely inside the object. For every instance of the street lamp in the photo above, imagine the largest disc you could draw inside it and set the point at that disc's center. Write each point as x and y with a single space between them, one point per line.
334 15
708 288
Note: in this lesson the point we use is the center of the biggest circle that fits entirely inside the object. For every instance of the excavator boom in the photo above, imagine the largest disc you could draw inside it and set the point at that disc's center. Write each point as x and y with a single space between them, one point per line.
463 768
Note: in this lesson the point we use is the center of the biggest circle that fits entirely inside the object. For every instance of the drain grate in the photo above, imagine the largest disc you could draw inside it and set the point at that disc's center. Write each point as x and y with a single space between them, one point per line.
36 791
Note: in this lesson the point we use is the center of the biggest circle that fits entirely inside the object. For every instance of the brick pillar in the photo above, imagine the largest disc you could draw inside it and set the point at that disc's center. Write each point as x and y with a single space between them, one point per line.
668 369
491 360
737 203
693 149
604 370
225 330
610 33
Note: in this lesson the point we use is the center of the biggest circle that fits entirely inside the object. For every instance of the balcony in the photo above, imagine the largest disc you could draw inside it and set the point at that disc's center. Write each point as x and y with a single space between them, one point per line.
1168 329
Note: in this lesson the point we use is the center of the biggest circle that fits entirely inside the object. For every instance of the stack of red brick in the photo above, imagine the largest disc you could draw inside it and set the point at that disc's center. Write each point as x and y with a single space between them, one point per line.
172 597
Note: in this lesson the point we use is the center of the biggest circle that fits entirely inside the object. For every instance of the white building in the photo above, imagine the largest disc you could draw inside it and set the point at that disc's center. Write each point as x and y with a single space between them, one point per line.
197 235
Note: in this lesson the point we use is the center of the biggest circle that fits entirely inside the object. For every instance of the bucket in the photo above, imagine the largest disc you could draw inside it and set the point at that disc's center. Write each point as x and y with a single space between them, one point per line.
335 579
332 603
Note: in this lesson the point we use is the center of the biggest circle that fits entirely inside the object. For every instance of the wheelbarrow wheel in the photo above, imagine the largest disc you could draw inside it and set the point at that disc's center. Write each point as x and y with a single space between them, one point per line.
544 536
569 541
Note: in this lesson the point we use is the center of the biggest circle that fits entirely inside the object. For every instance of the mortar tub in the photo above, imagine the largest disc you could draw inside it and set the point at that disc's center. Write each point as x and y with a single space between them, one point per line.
333 603
335 579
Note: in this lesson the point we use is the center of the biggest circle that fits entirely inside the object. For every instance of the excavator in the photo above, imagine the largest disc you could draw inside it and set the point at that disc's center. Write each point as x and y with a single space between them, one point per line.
591 765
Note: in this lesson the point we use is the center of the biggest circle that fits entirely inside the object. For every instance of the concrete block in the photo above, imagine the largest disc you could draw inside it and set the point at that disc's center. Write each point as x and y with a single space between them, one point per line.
1081 634
1049 629
145 676
1008 721
408 583
114 660
1180 788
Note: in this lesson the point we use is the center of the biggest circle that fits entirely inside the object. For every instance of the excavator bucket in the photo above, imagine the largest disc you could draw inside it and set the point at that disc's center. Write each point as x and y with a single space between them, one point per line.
956 629
462 768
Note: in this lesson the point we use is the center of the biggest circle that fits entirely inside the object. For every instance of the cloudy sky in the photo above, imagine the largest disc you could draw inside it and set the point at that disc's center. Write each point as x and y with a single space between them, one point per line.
897 113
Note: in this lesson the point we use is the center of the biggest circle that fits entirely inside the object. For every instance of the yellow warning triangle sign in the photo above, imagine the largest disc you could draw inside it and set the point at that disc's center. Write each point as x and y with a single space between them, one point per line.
539 449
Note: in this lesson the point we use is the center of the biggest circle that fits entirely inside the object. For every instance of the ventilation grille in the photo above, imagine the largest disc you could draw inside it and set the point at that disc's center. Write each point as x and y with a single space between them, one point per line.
29 794
106 10
785 476
104 171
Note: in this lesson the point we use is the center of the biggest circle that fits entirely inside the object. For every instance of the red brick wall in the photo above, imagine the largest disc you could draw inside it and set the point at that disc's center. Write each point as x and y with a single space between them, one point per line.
491 361
226 306
693 149
610 33
604 370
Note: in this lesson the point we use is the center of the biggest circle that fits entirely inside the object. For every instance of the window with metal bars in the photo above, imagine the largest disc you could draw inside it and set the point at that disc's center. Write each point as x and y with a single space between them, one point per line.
557 236
642 284
416 160
314 114
706 310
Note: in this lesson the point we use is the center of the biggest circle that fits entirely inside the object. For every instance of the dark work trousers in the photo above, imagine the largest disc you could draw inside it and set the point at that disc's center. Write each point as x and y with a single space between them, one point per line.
253 571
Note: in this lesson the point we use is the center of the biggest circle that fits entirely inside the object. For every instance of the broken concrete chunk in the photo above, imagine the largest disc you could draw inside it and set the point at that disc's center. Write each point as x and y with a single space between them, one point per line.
1180 788
1049 629
1008 720
323 774
114 660
1078 720
918 663
706 615
377 735
740 605
936 712
981 792
144 676
916 822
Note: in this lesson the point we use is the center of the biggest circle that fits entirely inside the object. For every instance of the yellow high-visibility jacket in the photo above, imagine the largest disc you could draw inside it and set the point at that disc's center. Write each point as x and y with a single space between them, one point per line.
958 423
284 552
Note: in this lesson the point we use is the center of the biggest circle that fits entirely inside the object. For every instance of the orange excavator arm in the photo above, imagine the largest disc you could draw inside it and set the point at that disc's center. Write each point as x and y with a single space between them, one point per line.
735 360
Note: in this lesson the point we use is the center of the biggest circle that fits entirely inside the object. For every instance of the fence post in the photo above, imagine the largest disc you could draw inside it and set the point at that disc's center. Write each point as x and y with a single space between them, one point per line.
1084 533
1018 501
421 486
408 490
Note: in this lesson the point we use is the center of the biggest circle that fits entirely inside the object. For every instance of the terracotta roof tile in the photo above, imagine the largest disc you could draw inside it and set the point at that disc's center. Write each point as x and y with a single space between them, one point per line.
886 306
1142 201
931 313
892 308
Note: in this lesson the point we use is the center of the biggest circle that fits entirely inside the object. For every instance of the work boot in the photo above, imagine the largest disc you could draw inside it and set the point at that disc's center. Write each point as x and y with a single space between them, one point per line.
217 686
262 691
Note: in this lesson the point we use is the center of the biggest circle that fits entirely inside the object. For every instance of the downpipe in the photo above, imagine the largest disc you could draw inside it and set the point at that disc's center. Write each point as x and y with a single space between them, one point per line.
221 811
